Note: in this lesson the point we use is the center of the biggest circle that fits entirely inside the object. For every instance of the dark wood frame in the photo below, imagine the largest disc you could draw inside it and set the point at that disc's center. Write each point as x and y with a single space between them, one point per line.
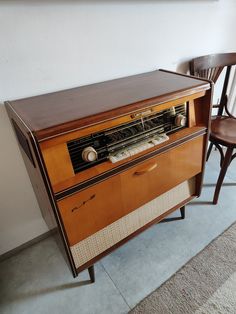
211 67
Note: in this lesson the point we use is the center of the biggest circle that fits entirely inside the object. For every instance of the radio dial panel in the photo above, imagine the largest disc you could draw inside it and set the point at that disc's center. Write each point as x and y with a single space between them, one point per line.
146 131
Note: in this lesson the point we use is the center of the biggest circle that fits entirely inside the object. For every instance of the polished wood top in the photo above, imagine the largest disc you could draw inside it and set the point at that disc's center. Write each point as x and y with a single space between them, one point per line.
51 114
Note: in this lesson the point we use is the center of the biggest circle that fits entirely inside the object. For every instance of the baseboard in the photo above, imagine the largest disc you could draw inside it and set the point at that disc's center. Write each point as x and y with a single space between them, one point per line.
25 245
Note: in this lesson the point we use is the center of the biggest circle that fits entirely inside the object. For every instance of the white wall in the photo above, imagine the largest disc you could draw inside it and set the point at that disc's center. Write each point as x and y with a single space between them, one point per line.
52 45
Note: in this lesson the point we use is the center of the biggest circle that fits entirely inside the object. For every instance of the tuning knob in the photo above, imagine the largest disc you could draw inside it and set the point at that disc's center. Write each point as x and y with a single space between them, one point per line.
89 154
180 120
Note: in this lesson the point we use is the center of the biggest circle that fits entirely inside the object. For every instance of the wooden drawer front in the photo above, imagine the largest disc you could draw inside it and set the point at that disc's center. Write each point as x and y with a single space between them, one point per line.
146 181
94 208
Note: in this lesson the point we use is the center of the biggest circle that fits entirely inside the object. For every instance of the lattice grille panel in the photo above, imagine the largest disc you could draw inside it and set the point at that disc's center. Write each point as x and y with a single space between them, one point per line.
102 240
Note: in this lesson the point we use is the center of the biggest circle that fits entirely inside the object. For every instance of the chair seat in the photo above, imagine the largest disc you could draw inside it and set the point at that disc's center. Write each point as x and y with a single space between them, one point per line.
223 129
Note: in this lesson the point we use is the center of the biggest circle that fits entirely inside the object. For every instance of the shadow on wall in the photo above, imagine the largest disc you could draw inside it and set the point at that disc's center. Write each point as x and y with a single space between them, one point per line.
183 67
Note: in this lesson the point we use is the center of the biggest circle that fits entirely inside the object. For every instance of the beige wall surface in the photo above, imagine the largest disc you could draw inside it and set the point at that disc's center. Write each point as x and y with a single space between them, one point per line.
51 45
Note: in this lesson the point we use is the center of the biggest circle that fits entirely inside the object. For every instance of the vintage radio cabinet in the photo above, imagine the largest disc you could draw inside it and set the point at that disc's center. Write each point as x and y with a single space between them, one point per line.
108 160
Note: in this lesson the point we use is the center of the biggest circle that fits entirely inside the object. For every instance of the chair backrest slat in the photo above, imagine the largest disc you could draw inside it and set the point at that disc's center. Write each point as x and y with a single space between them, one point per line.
210 67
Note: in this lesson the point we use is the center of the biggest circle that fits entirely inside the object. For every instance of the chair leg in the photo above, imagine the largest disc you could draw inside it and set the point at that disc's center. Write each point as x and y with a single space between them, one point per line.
220 149
91 273
209 151
226 162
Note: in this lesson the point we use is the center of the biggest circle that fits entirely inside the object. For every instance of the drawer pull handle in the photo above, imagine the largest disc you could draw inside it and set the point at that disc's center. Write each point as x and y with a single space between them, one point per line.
145 170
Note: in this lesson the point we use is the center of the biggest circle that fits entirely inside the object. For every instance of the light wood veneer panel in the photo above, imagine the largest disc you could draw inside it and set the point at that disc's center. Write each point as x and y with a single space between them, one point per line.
90 210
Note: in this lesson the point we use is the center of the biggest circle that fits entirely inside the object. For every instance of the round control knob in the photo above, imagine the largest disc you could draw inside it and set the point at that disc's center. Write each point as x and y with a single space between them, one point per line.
89 154
180 120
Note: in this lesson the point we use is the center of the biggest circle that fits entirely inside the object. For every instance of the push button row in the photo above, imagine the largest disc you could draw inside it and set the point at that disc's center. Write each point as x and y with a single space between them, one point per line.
138 147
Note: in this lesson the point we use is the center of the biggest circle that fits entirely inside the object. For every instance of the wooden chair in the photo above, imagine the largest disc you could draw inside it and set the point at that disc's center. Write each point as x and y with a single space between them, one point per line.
223 125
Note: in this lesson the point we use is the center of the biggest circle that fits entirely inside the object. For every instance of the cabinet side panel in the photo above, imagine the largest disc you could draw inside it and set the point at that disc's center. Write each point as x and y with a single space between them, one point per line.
31 163
40 186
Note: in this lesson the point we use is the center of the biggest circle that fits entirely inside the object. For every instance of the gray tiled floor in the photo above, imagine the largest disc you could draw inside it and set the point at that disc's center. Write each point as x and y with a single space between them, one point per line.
37 280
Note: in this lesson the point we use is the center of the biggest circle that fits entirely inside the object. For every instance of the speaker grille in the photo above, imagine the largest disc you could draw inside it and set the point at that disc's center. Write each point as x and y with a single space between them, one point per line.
102 240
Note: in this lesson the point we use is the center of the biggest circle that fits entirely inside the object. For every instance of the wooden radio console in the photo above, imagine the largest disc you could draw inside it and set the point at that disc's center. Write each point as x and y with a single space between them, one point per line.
108 160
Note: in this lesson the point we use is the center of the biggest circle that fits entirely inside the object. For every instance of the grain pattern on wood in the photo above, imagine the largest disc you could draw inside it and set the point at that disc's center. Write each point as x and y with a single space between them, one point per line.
60 183
115 121
92 209
54 113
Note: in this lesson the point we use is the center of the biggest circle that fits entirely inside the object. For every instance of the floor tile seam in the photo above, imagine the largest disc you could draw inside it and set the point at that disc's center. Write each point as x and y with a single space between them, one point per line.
123 297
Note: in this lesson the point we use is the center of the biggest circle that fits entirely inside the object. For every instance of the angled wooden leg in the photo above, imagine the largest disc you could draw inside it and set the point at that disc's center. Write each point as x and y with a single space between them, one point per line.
223 170
91 273
209 151
220 149
182 212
